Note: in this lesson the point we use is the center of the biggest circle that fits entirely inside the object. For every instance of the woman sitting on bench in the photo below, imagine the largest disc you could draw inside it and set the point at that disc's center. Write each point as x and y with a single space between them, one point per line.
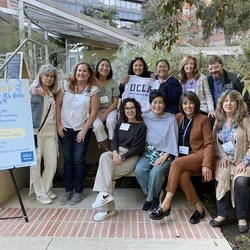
196 152
232 172
161 149
126 146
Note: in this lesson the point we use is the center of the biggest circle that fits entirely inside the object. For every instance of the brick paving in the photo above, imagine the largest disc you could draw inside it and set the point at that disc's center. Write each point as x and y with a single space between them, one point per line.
126 224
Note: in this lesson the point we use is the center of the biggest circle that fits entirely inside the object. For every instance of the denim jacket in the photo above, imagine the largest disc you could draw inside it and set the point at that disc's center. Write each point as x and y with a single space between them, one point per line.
36 109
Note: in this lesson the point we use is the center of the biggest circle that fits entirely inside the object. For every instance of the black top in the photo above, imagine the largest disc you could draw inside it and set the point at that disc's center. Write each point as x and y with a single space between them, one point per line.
172 90
186 122
134 139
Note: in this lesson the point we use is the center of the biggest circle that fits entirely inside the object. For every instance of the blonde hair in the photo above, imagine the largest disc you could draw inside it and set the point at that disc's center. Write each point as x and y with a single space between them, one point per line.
239 115
48 68
183 78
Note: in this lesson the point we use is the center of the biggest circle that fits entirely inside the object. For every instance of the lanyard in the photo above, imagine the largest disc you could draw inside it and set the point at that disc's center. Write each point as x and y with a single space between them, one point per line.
185 131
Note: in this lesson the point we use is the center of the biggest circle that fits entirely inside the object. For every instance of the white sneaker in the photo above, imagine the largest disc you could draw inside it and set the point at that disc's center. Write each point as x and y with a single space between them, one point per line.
44 199
102 199
103 215
51 195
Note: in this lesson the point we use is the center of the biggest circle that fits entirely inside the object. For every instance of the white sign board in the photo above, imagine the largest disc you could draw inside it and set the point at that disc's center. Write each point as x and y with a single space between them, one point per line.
17 147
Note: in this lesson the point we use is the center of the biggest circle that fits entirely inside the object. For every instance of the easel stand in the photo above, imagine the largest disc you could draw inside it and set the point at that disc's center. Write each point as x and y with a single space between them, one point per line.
19 198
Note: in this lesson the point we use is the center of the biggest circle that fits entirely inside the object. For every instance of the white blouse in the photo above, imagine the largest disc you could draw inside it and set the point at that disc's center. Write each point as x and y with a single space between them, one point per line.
76 107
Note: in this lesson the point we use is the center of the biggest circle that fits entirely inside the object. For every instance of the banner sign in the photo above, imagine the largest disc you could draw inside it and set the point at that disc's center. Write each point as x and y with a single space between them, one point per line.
17 147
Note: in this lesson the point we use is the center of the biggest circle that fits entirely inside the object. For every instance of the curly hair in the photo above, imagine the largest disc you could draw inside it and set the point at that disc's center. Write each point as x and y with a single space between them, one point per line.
145 67
97 74
239 115
72 79
123 117
183 78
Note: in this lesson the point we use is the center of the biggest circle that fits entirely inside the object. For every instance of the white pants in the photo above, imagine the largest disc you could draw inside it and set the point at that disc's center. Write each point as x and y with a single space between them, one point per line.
108 172
99 129
47 148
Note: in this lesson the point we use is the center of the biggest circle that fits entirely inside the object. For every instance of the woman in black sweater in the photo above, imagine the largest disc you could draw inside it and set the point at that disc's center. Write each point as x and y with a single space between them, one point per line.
127 145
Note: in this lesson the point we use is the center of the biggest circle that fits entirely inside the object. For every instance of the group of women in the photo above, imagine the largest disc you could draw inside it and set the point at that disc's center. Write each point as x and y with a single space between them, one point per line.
154 144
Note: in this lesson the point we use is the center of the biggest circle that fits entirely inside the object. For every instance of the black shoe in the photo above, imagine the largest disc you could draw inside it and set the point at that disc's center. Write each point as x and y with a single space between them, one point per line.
215 223
195 218
147 206
159 214
243 228
156 203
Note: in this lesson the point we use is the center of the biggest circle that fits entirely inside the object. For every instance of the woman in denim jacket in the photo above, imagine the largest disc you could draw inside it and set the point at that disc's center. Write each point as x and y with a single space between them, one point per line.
44 125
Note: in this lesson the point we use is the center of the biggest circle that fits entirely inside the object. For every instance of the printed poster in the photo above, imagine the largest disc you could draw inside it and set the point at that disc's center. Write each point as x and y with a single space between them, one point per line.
17 147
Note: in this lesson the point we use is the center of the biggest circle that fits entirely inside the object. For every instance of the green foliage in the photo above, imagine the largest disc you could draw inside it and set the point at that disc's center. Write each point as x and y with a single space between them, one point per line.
107 14
9 37
236 18
171 8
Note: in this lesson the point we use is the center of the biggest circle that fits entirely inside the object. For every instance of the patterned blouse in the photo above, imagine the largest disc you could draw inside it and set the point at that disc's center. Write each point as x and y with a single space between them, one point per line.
226 135
151 153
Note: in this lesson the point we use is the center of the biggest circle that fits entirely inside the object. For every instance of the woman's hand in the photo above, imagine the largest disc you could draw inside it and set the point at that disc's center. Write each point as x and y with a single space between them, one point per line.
60 130
80 136
240 168
212 113
152 76
207 173
125 80
104 116
223 163
117 158
160 161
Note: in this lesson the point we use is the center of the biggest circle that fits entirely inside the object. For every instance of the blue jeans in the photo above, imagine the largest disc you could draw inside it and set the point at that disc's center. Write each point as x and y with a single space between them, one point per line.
151 177
241 194
74 160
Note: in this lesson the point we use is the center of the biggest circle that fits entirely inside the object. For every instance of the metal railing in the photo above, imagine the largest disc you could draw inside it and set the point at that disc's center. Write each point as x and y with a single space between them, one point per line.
19 48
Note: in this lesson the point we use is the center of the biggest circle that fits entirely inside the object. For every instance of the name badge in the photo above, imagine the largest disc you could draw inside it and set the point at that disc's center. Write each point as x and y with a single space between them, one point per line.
183 150
227 146
124 126
104 99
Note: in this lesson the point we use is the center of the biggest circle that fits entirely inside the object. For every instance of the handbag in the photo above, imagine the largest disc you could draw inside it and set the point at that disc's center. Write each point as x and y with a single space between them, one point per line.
35 136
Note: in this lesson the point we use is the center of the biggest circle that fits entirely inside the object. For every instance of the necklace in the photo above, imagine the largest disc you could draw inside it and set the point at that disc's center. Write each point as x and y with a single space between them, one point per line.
78 90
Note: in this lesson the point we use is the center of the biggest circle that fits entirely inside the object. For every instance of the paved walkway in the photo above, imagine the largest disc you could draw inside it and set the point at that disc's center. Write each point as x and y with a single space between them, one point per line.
73 227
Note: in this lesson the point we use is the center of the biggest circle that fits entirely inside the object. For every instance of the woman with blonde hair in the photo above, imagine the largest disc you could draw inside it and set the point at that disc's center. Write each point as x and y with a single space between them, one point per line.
77 107
232 172
44 124
192 80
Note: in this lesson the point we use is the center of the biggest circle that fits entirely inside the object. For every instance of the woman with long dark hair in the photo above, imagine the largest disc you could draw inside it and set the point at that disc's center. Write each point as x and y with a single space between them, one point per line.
126 146
109 94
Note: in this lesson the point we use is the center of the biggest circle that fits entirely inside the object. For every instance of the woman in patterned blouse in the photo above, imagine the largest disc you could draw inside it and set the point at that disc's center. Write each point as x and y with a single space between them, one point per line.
232 135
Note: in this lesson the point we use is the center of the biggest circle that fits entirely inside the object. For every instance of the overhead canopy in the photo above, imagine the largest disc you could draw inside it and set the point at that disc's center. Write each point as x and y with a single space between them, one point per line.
72 25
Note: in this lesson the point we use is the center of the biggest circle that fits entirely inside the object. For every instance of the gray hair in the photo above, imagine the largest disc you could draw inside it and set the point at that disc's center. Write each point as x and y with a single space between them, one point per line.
47 68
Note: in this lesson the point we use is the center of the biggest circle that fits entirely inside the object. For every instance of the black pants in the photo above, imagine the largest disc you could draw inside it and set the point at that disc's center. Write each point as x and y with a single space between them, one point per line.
241 193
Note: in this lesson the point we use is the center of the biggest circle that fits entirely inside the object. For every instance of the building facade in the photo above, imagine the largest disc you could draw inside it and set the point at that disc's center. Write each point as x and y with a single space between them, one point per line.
128 12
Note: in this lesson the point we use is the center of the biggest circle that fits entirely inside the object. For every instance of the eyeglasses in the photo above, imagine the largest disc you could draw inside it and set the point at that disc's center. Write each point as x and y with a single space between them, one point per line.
130 108
214 68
